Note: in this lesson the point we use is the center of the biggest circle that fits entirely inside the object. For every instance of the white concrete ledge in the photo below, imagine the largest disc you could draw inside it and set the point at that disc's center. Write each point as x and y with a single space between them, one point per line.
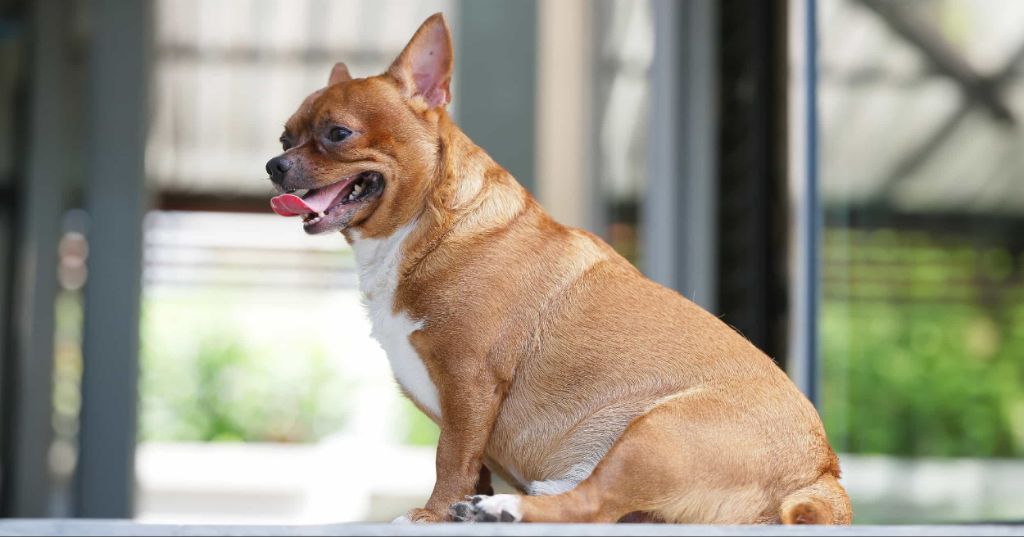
125 528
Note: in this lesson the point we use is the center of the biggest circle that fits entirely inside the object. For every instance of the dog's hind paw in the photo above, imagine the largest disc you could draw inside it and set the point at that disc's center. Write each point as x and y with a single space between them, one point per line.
498 508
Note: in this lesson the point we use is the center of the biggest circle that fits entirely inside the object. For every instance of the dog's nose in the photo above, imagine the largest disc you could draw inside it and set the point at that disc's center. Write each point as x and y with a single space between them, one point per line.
277 167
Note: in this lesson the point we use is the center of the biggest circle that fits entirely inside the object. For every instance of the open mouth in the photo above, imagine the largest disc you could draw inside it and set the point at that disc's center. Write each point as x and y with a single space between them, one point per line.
331 206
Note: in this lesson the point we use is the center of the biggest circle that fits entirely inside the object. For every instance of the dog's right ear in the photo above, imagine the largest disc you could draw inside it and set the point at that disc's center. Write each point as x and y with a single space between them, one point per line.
339 74
424 68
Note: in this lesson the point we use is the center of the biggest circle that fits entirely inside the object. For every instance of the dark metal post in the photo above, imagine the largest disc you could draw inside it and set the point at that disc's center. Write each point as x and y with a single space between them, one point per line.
27 480
115 199
754 217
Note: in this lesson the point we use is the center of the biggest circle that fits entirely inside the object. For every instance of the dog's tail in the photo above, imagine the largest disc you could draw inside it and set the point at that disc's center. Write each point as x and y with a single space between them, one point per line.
822 502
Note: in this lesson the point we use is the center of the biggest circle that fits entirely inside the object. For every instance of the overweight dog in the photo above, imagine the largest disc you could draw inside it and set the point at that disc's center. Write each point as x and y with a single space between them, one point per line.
542 354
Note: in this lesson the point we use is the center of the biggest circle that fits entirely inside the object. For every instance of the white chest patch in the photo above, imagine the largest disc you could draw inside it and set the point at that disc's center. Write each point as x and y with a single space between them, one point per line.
378 261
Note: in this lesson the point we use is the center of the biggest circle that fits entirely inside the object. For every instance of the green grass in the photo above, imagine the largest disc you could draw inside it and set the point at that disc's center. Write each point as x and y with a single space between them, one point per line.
203 382
923 347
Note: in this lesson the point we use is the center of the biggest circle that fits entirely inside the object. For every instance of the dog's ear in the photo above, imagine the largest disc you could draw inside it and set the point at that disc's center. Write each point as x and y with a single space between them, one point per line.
424 68
339 74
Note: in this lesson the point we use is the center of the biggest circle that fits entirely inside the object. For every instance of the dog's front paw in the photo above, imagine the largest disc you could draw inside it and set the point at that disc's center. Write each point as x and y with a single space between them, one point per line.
499 508
461 512
418 516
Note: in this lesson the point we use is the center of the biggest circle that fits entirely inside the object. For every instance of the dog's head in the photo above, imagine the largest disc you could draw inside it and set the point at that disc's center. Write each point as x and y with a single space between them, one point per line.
361 153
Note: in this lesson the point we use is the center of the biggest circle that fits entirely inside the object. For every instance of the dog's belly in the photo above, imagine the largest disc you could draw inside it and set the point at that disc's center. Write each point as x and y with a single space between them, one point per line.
378 261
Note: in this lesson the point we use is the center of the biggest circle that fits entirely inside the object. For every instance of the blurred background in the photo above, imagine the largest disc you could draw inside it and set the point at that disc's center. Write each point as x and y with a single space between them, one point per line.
840 180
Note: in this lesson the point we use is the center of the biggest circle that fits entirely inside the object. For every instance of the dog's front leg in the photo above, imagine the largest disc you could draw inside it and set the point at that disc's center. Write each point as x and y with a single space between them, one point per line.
469 409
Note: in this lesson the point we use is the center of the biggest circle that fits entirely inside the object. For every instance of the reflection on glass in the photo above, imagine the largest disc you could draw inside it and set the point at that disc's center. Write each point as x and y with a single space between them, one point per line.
923 313
624 43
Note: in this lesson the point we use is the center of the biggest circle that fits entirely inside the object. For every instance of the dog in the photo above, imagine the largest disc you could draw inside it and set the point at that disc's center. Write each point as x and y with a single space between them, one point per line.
542 354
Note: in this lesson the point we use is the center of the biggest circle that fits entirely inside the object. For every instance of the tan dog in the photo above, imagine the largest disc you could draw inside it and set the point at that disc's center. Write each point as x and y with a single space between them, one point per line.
537 349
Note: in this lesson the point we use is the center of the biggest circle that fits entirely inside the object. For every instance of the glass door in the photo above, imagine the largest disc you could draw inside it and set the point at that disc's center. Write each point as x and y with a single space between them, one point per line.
922 294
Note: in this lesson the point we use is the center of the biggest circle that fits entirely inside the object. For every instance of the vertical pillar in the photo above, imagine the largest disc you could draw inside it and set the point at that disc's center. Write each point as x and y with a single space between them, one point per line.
27 483
496 79
803 166
564 110
680 208
115 199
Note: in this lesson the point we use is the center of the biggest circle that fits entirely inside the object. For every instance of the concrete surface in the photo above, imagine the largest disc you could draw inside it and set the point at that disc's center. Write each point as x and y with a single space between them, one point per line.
330 483
124 528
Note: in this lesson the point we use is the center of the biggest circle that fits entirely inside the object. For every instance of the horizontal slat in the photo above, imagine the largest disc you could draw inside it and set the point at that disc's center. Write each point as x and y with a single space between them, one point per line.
242 250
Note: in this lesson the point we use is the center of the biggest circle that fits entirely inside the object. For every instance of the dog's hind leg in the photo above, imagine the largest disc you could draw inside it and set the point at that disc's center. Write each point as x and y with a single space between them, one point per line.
619 485
638 474
693 459
483 483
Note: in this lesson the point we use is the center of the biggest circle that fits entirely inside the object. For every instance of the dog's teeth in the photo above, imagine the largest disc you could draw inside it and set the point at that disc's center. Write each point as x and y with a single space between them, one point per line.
357 188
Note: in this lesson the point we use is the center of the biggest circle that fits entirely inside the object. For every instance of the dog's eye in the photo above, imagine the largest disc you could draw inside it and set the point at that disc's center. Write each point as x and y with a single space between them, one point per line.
285 143
338 134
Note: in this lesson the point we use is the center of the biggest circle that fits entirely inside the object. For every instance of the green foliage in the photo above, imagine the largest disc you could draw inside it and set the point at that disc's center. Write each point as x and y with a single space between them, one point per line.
923 346
201 381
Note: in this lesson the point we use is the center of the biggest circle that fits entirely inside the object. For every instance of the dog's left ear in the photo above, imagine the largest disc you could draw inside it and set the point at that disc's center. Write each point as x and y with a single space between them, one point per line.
424 68
339 74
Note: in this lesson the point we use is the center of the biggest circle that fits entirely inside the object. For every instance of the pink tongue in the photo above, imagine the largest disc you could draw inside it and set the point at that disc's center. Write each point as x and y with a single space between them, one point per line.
317 202
290 205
